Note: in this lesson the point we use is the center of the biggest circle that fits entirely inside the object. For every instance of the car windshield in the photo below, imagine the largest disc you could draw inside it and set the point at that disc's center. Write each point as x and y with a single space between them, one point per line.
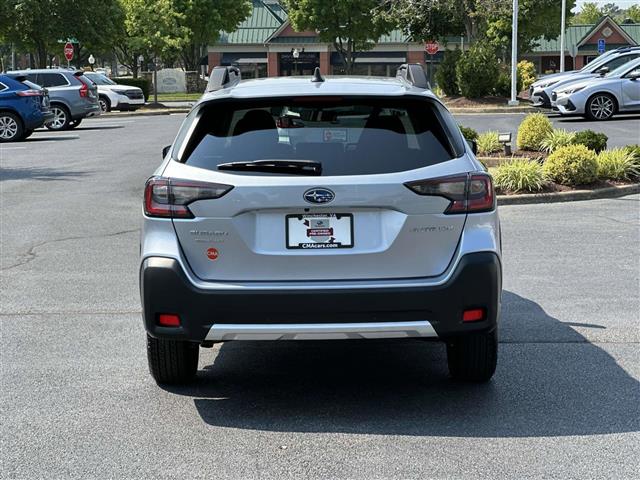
597 62
623 69
356 136
99 79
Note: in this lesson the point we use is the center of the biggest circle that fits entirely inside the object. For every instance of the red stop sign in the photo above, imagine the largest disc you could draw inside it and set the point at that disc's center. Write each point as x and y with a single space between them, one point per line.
432 47
68 51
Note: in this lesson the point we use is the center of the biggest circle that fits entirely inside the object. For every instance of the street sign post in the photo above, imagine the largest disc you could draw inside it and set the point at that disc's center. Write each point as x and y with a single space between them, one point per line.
68 52
602 45
432 48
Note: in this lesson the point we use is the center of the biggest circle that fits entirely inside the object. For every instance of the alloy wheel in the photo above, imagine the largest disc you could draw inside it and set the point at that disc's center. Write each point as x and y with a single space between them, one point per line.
601 107
8 128
59 118
103 105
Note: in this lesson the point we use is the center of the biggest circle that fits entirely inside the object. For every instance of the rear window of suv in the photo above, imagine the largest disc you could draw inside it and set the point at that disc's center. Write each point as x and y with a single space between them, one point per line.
348 136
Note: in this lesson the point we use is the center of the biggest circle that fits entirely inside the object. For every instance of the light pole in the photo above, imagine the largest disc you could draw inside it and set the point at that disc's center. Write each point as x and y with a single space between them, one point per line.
514 55
562 27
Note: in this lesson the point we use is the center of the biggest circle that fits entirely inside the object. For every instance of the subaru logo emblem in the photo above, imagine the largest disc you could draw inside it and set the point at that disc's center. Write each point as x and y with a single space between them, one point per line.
319 195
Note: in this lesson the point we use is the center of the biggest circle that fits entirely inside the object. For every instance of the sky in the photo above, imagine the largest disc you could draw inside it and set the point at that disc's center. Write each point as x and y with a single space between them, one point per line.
620 3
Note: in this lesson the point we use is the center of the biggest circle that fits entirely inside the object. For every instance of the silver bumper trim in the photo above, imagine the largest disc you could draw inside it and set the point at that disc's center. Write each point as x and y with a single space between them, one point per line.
320 331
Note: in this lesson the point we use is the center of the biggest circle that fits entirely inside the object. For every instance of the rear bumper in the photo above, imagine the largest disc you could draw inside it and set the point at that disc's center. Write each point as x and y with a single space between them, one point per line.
291 313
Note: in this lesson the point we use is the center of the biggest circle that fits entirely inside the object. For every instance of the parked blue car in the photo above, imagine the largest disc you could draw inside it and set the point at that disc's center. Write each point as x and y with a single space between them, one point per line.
24 106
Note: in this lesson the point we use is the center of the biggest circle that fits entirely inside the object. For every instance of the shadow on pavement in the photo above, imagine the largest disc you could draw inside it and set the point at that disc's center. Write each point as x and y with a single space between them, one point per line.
542 388
40 173
109 127
616 118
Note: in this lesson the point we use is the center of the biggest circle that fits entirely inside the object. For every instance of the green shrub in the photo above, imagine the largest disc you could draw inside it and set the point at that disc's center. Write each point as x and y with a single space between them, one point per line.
520 175
633 150
477 71
468 133
572 165
556 139
488 143
592 140
618 164
503 83
142 83
526 74
533 130
446 74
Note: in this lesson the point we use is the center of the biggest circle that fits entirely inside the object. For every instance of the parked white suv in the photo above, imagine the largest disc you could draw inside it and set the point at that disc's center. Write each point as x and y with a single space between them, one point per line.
378 222
113 96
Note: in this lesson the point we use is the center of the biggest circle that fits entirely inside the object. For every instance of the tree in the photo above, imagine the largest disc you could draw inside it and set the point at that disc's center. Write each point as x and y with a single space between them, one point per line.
203 20
43 26
352 26
480 19
537 19
154 27
34 25
588 14
633 12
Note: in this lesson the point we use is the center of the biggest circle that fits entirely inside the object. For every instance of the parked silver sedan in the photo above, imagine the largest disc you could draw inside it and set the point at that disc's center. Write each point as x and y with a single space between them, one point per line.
602 98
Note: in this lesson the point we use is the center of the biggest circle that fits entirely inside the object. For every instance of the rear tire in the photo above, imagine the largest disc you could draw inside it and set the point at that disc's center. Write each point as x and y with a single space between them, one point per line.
473 358
105 104
61 118
172 361
10 127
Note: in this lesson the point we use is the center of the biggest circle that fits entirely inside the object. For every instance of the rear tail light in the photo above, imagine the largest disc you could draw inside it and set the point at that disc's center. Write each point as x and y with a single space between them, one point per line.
169 198
84 90
468 193
29 93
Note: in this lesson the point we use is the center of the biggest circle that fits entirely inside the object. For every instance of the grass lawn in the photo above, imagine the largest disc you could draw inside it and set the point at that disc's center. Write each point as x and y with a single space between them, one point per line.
176 97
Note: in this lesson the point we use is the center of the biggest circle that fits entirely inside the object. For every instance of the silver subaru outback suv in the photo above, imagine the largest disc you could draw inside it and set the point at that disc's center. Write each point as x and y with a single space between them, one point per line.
320 208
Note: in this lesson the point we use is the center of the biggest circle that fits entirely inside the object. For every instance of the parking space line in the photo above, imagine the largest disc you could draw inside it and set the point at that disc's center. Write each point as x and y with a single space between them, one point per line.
2 149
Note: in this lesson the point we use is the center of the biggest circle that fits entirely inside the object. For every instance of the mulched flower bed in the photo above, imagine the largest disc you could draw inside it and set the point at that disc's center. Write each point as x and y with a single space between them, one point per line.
553 187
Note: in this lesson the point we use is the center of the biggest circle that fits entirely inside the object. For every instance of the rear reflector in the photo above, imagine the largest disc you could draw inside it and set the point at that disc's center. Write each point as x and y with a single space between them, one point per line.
468 193
168 320
474 315
164 197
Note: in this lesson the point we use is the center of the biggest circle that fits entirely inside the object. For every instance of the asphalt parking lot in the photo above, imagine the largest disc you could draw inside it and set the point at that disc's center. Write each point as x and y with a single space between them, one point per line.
622 129
77 400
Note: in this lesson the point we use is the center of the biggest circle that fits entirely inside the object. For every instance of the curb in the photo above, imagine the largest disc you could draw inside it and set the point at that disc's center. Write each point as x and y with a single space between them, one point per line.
146 113
577 195
491 110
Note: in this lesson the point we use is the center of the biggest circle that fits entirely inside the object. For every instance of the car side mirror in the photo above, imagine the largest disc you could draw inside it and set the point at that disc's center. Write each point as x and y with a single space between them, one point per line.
634 75
602 71
165 150
474 146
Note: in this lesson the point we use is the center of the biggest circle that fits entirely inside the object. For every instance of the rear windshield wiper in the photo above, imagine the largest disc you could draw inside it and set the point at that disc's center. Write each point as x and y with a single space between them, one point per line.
297 167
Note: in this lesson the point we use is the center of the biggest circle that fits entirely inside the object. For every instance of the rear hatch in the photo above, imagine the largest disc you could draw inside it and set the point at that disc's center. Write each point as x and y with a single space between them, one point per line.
316 189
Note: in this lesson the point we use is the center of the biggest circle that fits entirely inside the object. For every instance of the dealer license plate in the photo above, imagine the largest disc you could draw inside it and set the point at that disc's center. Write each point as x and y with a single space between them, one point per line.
319 231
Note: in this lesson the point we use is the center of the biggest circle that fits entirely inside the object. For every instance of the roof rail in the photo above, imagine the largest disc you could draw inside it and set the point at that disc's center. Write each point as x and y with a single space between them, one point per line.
413 73
223 77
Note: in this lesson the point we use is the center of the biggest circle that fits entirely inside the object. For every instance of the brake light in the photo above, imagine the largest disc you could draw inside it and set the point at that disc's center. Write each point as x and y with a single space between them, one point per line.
29 93
84 90
468 193
169 198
